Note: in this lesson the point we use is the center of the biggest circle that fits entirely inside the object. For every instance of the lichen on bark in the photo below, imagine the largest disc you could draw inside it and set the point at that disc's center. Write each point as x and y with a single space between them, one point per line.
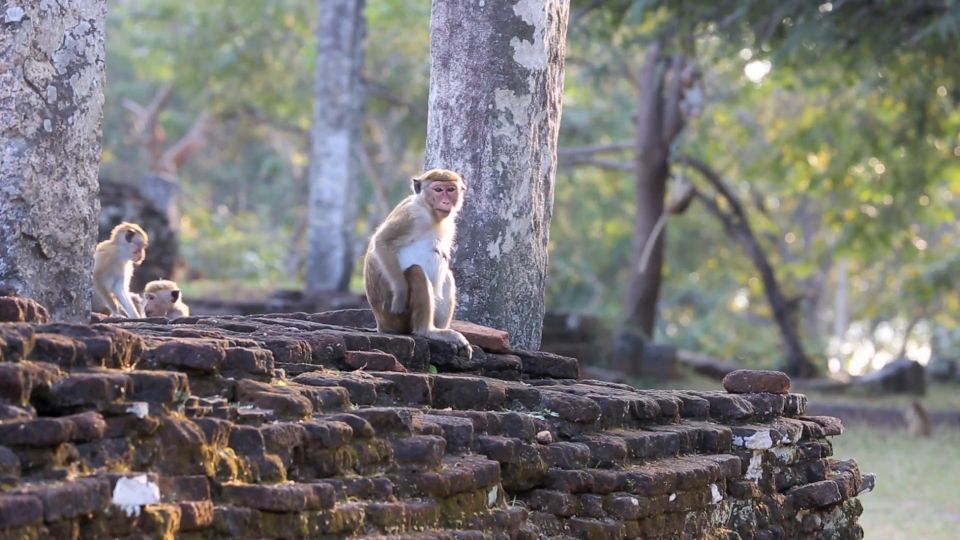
51 101
496 87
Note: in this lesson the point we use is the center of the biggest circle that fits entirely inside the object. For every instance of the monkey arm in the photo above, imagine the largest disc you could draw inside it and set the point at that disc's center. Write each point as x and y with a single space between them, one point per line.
129 309
385 248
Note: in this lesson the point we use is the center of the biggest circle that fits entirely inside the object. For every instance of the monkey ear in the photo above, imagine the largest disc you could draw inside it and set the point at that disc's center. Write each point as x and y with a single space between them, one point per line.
175 294
415 183
129 236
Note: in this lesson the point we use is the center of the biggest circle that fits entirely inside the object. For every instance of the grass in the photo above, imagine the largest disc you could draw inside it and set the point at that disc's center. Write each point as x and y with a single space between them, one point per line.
917 482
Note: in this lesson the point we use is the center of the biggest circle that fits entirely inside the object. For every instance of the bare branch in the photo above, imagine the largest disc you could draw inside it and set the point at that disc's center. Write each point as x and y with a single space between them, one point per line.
599 163
176 155
589 150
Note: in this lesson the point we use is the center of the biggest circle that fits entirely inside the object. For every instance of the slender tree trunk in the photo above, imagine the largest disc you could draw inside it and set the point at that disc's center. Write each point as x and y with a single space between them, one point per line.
737 225
496 89
659 120
841 312
650 177
51 101
338 110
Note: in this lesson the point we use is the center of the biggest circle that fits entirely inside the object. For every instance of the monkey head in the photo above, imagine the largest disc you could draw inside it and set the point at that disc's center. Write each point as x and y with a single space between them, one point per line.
441 190
133 239
159 298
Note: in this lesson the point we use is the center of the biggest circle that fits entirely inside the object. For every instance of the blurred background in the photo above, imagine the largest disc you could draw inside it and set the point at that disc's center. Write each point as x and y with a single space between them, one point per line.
812 191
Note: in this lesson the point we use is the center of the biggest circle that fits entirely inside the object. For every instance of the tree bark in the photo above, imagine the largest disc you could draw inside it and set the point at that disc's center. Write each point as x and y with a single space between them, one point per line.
338 110
496 90
51 104
650 175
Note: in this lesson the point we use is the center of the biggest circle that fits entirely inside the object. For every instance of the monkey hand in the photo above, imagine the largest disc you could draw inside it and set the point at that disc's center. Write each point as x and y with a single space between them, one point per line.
399 302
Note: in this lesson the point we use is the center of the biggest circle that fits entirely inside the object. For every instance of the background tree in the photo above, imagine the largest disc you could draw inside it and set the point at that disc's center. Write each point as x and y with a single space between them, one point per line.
335 145
496 88
53 64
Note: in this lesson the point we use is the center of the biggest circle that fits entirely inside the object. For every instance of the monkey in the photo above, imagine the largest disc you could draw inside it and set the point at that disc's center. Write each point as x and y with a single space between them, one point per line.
918 420
113 264
406 270
162 298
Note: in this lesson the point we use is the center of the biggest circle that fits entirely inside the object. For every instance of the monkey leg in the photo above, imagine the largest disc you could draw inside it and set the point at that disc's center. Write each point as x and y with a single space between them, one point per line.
420 304
378 295
423 314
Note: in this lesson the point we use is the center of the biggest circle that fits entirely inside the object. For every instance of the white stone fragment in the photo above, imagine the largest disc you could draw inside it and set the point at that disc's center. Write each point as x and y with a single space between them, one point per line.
14 14
715 495
132 493
492 495
139 408
760 440
755 469
673 497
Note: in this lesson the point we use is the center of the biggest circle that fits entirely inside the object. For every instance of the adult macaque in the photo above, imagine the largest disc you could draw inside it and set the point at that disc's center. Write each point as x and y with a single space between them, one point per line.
113 264
406 270
162 298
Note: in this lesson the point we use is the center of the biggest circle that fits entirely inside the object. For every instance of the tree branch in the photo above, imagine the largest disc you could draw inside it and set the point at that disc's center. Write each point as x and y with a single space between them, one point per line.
599 163
176 155
572 151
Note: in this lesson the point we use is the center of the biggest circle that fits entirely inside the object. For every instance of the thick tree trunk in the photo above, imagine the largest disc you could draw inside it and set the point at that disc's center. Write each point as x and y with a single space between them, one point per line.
51 101
496 89
338 111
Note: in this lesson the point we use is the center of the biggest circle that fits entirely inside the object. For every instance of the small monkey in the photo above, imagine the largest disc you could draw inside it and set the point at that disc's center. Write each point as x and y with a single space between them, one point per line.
113 264
917 420
162 298
406 271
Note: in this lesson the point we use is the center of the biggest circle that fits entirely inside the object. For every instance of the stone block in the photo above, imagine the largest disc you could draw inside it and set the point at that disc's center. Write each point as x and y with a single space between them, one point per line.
544 364
746 381
191 355
490 339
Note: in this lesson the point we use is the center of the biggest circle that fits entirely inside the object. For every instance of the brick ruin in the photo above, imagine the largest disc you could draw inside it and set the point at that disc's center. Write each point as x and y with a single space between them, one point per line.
304 425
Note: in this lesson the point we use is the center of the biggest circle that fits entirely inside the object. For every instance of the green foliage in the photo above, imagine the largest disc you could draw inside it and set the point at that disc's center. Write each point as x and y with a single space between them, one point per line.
845 151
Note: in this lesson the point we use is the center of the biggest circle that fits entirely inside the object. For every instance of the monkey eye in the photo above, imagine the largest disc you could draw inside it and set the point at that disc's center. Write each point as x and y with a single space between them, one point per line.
150 296
438 189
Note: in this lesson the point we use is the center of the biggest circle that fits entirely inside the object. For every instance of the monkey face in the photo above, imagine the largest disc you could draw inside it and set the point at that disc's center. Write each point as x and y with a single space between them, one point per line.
443 197
159 304
137 245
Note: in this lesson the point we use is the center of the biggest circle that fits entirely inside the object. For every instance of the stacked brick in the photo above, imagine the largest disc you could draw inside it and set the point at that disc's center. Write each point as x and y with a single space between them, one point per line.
294 426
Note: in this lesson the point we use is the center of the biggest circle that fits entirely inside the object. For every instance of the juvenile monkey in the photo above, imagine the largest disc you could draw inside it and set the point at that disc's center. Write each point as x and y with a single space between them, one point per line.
406 271
162 298
113 264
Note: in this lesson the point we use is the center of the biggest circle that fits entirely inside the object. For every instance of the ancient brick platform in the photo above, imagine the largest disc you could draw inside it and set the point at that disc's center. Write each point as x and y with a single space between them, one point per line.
296 426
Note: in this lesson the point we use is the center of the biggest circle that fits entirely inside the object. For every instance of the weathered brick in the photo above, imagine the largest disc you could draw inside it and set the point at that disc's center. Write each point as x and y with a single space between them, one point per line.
39 432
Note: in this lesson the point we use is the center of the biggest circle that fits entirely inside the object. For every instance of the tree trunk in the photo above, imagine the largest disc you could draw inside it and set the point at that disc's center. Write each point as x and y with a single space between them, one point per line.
737 225
651 172
338 110
496 90
659 120
51 101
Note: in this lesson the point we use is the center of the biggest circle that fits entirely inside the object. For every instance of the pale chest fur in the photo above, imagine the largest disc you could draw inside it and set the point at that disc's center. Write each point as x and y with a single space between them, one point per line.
431 252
